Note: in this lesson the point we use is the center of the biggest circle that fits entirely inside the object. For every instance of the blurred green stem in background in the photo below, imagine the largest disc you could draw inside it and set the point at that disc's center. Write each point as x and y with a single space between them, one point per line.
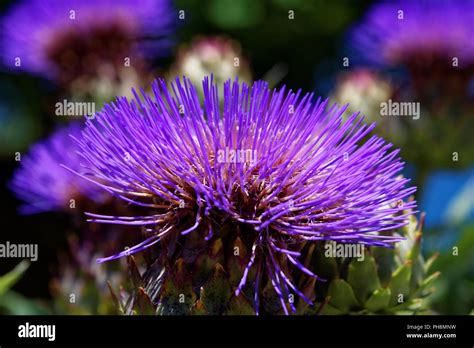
12 302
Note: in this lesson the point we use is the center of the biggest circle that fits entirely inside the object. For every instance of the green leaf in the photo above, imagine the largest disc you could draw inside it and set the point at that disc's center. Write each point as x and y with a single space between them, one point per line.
206 262
174 299
308 289
386 262
144 306
240 306
415 251
174 287
409 307
414 255
216 293
115 298
10 279
134 273
342 296
430 261
16 304
429 281
325 267
330 310
400 283
363 278
236 263
379 300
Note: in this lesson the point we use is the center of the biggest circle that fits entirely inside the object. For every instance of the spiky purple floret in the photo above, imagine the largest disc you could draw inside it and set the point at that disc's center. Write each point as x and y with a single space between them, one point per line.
43 184
441 27
31 25
310 180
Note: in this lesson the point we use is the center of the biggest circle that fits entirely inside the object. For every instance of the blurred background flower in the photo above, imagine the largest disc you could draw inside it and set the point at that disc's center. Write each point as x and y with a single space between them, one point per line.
364 90
428 47
89 50
44 185
405 32
219 56
75 40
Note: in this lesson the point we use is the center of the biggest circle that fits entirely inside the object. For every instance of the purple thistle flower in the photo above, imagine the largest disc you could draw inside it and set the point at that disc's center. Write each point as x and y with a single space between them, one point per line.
43 184
397 31
50 37
284 168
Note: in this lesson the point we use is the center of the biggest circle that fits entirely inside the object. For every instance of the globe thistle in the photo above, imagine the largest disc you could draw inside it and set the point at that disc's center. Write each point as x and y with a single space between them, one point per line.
68 39
43 184
273 169
402 31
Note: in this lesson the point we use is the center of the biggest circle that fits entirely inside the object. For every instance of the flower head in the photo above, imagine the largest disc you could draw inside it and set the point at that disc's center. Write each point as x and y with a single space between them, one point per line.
278 169
63 39
398 32
43 184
